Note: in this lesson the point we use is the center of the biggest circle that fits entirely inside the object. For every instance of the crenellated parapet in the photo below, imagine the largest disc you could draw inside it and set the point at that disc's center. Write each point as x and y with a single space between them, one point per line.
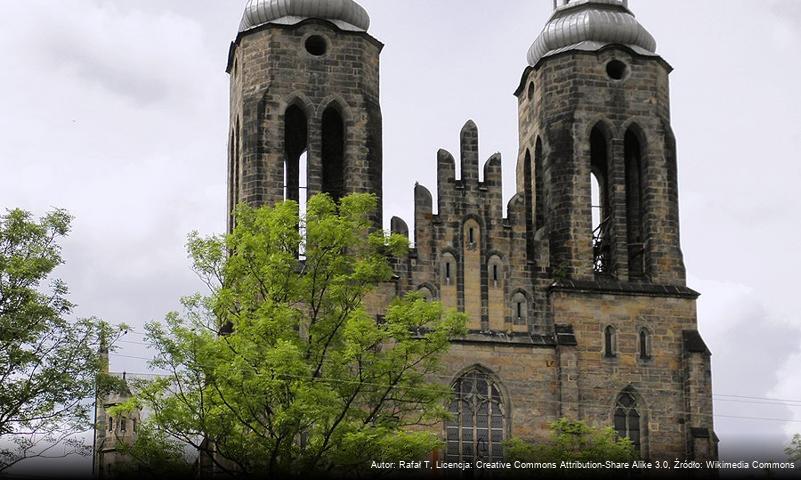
468 254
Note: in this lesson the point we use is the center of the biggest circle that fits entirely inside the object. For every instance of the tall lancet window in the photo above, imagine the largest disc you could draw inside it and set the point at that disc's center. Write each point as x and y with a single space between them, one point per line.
296 142
333 154
528 179
477 428
539 186
635 210
628 418
296 139
599 188
234 174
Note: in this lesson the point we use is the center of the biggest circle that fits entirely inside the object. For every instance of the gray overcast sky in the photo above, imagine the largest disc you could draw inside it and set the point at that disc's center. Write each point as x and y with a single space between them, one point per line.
117 111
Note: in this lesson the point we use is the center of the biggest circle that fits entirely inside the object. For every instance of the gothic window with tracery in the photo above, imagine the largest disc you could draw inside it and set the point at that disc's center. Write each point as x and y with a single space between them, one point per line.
477 428
627 418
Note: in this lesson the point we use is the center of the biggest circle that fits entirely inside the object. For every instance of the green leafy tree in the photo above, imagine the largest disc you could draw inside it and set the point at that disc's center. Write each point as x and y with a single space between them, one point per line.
573 440
794 449
153 455
281 370
48 364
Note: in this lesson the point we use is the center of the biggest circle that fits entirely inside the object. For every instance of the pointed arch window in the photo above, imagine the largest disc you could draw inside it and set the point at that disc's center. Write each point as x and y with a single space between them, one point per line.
478 425
539 186
635 210
296 143
601 211
235 173
528 180
628 418
333 130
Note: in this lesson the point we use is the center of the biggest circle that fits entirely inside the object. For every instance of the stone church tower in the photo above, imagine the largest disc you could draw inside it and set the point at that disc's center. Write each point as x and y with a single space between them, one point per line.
577 300
305 112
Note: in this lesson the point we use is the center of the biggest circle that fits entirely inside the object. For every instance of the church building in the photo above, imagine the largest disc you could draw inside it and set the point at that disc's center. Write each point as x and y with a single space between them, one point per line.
577 299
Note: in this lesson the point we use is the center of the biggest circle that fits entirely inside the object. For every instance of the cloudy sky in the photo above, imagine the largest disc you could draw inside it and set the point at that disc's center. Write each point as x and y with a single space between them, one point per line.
117 112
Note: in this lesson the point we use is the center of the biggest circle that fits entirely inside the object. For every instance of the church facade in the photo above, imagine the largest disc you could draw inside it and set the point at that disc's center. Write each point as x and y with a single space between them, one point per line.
577 298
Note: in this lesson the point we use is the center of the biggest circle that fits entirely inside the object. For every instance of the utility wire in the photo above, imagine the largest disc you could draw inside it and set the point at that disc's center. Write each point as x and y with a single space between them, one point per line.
558 402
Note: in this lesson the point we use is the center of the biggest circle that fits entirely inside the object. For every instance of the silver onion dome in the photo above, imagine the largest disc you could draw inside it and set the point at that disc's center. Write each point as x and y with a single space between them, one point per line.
590 25
346 14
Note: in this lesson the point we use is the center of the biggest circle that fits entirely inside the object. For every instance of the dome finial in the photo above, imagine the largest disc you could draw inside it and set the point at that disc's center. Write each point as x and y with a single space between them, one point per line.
345 14
589 25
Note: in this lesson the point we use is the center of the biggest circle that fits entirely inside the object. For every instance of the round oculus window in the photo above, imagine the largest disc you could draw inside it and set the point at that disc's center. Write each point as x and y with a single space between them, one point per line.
617 70
316 45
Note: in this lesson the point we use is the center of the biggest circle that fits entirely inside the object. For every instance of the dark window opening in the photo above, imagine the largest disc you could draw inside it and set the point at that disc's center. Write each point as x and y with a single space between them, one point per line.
645 351
610 342
616 70
530 92
471 236
539 188
478 424
110 424
296 140
235 173
519 310
601 218
232 173
635 211
122 424
448 272
333 154
495 274
627 419
316 45
528 181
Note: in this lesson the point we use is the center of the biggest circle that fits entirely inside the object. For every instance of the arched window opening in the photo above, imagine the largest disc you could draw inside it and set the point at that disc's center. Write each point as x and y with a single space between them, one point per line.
628 419
232 173
123 423
479 424
110 424
539 188
296 143
426 292
635 211
528 180
644 344
610 342
333 154
447 268
495 275
472 235
520 309
601 218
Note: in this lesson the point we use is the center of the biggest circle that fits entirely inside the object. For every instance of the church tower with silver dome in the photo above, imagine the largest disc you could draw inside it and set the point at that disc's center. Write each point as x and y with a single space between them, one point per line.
576 297
305 115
